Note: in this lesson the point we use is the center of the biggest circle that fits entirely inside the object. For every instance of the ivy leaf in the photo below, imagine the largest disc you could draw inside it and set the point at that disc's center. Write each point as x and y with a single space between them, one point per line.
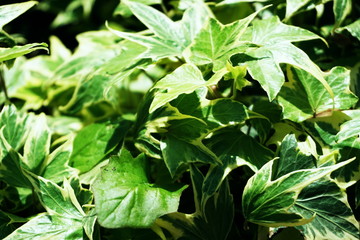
213 221
234 149
94 142
170 38
267 200
11 11
52 227
341 9
125 198
37 144
275 39
124 10
217 42
334 218
312 97
7 225
353 28
185 79
17 51
349 129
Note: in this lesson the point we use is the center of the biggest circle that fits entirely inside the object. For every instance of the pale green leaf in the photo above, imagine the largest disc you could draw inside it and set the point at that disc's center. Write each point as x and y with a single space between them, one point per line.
292 6
184 79
11 11
170 38
58 201
125 198
334 218
94 142
349 129
311 97
17 51
341 9
267 201
276 38
52 227
217 42
15 126
37 145
124 10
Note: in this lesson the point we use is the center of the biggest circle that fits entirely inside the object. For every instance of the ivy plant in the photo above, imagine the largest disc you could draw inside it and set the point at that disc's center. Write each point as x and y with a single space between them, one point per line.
231 119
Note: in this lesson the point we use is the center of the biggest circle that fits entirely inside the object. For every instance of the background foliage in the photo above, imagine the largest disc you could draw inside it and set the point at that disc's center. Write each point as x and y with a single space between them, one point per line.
185 119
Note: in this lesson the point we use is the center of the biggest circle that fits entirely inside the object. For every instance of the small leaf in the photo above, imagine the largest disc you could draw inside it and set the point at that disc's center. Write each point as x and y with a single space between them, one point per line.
341 9
37 145
11 11
17 51
125 198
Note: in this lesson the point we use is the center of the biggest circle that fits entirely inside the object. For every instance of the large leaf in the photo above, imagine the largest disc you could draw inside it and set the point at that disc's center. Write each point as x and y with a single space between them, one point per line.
275 39
11 11
334 218
217 42
52 227
94 142
269 195
170 38
312 97
125 198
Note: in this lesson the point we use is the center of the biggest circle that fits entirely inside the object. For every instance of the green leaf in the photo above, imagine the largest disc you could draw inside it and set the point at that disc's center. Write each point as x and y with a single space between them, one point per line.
214 221
170 38
95 141
57 167
268 201
353 28
7 225
234 149
15 126
292 6
124 10
184 79
349 129
217 42
341 9
37 144
52 227
334 218
275 40
125 198
58 201
17 51
311 97
11 11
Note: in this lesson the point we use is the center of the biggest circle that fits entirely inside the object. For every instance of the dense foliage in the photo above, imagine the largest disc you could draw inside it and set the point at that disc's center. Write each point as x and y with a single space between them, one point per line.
184 119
